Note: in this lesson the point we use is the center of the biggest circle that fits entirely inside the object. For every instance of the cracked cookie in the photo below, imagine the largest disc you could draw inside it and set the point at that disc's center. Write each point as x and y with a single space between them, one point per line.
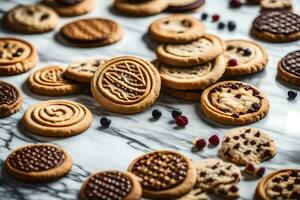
289 68
11 99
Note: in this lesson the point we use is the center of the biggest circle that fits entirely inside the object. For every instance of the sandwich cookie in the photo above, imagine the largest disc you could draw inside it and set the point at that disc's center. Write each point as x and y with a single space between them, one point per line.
11 99
289 68
185 5
269 5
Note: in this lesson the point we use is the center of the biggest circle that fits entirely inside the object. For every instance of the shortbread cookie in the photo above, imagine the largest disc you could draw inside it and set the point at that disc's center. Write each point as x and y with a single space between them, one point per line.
280 185
71 8
194 77
164 174
57 118
51 81
197 52
38 163
250 57
268 5
11 99
277 26
247 145
92 32
218 177
126 85
196 194
16 56
234 103
31 19
176 29
188 95
289 68
111 185
185 5
140 8
83 71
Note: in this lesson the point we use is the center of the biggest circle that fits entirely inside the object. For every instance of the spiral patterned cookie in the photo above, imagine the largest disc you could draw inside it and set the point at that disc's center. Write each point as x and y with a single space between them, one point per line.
51 81
38 163
11 99
164 174
126 85
57 118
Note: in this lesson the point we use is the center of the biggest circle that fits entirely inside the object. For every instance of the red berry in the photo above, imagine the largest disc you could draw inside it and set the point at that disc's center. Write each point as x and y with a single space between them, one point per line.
182 121
200 143
215 17
232 62
234 189
260 172
214 140
250 167
235 3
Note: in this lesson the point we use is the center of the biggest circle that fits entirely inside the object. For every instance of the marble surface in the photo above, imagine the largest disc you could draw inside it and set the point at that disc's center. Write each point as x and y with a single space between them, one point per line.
131 135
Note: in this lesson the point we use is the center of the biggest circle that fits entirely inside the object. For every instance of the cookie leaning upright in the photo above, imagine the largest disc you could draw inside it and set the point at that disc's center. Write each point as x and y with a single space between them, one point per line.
126 85
11 99
289 68
164 174
185 5
38 163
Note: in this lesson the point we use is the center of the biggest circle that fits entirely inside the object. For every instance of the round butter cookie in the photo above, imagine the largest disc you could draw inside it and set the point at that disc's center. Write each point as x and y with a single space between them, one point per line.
11 99
289 68
185 5
188 95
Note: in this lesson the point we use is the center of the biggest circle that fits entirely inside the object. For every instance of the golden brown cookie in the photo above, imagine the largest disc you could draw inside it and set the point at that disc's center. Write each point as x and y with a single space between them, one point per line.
16 56
185 5
164 174
277 26
176 29
247 145
140 8
71 8
57 118
83 71
31 19
279 185
51 81
126 85
193 77
111 185
11 99
92 32
197 52
188 95
244 57
195 194
38 163
268 5
234 103
289 68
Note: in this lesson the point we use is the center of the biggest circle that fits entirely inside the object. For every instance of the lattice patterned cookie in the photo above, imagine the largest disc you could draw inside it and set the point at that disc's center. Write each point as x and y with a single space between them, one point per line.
11 99
289 68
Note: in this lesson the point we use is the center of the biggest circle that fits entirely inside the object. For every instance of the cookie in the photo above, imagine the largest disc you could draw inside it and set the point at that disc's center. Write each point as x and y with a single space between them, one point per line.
289 68
185 5
194 77
83 71
234 103
218 177
140 8
50 81
196 194
126 85
188 95
176 29
92 32
164 174
71 8
277 26
197 52
250 57
280 184
16 56
268 5
11 99
111 185
38 163
57 118
247 145
31 19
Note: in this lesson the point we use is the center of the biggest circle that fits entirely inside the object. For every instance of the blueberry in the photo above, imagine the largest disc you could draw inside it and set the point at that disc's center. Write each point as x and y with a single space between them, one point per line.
204 16
221 26
176 113
105 122
292 94
231 25
156 113
247 52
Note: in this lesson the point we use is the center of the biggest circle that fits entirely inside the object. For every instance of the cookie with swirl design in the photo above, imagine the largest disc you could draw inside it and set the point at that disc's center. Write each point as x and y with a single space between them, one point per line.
11 99
289 68
126 85
234 103
57 118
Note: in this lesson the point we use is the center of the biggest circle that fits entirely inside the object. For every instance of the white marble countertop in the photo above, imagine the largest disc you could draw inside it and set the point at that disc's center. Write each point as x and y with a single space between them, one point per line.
131 135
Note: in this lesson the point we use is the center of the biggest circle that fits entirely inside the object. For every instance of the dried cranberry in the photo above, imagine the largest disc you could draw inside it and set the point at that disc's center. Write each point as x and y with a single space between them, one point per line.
215 18
232 63
200 143
214 140
250 167
182 121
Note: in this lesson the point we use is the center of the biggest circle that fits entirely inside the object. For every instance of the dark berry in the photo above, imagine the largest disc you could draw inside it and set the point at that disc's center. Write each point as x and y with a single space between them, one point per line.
200 143
231 26
105 122
182 121
250 167
176 113
292 94
260 172
221 26
235 3
204 16
214 140
232 62
234 189
215 18
247 52
156 113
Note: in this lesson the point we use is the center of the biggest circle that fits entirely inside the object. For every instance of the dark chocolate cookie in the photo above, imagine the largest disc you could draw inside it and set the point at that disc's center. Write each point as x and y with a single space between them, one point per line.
10 99
289 68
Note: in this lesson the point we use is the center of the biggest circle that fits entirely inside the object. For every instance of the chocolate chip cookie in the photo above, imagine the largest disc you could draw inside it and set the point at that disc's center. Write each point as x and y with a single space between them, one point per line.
11 99
289 68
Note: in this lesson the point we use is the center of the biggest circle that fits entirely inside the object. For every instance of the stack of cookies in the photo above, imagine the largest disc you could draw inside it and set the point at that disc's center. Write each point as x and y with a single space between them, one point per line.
189 59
